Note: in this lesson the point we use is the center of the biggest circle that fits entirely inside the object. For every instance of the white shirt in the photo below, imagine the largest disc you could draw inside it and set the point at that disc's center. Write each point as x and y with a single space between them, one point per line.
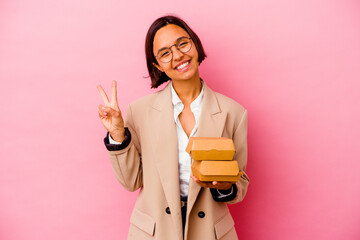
183 140
184 157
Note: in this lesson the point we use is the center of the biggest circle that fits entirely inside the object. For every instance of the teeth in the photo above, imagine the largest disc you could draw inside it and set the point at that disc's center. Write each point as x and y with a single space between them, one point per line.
182 65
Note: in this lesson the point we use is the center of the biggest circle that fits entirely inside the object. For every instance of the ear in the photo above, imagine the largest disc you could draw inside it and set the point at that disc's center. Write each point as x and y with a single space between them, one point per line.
158 67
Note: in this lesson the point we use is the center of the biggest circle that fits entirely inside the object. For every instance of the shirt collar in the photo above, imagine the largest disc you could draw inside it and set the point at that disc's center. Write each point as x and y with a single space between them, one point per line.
195 104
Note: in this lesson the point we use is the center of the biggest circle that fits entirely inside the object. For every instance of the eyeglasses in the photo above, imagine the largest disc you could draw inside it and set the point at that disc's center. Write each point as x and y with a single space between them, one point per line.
183 44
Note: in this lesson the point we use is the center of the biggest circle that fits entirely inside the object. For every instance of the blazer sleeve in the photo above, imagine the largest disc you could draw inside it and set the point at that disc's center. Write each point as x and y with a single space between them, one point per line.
240 142
126 162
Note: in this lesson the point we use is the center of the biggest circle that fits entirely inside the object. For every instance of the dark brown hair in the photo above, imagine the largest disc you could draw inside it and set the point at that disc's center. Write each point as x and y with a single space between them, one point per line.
158 77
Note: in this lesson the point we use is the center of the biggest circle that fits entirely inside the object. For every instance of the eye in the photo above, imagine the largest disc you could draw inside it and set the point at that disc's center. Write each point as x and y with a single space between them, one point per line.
183 43
164 53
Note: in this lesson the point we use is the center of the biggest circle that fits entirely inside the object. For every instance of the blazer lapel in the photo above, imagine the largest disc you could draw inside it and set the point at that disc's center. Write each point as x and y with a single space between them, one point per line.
165 147
211 124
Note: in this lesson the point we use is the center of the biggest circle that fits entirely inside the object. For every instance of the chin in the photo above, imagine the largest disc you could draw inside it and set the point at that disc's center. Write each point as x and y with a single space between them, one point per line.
183 78
190 74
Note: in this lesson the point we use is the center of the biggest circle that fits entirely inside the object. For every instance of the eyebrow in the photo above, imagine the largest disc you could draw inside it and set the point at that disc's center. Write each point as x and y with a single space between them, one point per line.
175 42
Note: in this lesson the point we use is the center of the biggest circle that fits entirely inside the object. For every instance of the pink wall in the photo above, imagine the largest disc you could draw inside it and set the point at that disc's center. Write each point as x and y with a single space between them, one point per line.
295 65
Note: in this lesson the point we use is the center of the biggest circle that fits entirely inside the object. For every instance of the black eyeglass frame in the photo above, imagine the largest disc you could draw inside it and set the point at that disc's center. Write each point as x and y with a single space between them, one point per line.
176 48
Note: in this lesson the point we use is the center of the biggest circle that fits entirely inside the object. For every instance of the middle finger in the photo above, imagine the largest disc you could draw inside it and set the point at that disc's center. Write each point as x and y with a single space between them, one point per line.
114 92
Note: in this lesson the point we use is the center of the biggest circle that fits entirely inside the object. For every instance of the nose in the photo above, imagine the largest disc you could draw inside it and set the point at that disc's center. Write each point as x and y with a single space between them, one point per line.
176 53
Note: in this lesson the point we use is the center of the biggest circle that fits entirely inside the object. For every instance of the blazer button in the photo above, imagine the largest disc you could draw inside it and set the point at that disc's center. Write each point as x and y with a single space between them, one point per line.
167 210
201 214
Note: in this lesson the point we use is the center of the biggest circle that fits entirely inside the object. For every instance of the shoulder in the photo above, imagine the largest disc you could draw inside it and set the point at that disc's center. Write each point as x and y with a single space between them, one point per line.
234 111
228 104
236 114
145 102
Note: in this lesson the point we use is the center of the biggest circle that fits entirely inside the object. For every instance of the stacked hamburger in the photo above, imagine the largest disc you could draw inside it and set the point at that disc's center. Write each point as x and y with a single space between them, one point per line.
213 159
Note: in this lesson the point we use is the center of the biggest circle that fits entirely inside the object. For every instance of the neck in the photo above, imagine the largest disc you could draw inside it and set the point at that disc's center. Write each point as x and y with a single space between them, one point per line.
187 90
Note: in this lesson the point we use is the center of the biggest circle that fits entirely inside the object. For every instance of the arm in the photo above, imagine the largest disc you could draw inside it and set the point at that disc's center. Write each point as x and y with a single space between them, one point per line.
240 142
126 158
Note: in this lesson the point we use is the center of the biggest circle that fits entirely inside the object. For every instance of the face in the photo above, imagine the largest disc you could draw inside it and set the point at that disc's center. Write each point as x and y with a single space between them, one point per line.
183 66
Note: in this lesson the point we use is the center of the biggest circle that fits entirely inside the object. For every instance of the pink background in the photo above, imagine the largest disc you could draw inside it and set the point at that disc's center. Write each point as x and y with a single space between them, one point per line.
295 65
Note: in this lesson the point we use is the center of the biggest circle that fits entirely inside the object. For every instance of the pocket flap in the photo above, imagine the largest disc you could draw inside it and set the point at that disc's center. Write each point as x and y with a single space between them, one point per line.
224 225
143 221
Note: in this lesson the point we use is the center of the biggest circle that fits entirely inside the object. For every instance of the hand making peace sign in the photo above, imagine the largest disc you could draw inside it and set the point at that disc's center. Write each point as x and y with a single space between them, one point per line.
110 114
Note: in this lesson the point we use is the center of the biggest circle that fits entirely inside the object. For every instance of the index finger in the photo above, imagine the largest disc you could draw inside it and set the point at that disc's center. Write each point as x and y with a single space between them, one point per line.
103 94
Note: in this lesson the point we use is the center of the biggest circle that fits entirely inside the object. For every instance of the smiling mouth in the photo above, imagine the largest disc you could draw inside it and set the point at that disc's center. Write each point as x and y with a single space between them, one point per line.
182 66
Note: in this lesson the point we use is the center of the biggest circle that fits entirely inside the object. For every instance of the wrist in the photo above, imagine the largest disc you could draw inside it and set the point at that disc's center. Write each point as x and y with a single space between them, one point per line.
118 135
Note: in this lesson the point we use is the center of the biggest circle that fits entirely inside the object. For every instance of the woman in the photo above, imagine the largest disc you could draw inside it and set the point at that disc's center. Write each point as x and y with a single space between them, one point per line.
147 150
